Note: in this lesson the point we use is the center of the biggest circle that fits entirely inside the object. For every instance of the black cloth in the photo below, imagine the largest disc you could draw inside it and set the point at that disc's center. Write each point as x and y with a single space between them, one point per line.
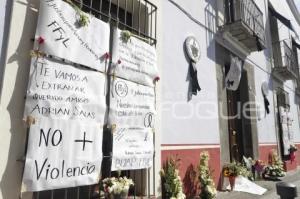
281 18
296 44
194 78
267 103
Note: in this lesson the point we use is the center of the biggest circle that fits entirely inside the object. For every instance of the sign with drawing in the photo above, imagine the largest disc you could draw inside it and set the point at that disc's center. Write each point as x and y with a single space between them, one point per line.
132 148
131 104
62 153
137 59
64 38
60 91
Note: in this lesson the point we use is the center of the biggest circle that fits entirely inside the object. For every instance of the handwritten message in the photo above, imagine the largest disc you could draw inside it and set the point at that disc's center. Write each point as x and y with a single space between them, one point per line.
287 137
138 60
132 148
60 91
64 38
62 154
132 105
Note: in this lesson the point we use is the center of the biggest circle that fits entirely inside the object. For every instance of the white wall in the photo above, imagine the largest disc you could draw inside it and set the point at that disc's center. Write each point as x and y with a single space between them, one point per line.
5 9
2 17
183 121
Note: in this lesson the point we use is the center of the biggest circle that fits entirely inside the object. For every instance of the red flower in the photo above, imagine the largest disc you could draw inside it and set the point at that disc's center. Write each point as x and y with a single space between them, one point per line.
106 55
156 79
41 40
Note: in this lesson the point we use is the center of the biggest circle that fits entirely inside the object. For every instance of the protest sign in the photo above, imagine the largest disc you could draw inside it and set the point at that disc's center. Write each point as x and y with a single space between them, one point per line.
60 91
131 104
64 37
137 59
132 148
62 154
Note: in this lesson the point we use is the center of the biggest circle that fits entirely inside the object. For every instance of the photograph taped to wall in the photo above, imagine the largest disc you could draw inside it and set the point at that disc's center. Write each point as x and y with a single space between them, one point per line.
60 91
138 60
62 154
64 38
131 104
132 148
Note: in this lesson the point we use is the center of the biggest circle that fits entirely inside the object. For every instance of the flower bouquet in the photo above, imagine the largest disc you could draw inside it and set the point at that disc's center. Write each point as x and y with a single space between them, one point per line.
275 168
259 167
116 187
231 170
292 150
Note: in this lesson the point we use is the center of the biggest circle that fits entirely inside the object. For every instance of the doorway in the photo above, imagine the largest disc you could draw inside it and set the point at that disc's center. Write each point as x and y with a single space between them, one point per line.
239 120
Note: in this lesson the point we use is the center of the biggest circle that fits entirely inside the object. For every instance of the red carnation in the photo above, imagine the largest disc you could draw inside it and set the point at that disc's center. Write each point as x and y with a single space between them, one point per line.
156 79
41 40
106 55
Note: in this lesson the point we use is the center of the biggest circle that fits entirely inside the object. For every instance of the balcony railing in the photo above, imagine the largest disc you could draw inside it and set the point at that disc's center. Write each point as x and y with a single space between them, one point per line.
244 20
285 63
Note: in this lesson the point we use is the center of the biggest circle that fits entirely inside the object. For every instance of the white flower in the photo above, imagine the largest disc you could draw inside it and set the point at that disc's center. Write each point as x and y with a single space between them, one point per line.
180 195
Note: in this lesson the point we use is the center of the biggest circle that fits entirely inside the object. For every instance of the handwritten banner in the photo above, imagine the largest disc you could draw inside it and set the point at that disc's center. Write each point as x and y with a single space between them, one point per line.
131 104
60 91
138 60
287 139
64 38
62 154
132 148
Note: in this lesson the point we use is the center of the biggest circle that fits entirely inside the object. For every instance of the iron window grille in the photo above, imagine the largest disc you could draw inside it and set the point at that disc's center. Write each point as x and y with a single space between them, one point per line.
140 18
247 12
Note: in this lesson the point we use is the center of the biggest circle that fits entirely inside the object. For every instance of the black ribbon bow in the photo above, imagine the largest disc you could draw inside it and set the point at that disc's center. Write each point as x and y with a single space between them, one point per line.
194 78
267 103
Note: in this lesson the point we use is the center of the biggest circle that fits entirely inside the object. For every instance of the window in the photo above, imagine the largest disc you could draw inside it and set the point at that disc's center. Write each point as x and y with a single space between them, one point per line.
283 98
139 17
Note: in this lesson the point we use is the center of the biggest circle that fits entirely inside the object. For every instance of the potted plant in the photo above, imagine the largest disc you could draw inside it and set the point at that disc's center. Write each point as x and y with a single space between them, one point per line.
171 181
116 187
231 170
208 190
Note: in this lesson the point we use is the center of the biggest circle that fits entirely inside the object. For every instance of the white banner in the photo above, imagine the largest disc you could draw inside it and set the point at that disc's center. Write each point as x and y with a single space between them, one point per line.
138 60
233 77
132 148
58 25
62 154
131 104
285 130
60 91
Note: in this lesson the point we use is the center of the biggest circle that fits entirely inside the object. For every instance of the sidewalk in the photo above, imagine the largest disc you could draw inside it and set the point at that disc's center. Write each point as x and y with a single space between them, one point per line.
292 177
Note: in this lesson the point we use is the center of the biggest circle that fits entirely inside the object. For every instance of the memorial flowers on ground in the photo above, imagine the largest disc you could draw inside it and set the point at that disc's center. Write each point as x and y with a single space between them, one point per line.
275 167
208 190
259 167
231 170
116 186
170 179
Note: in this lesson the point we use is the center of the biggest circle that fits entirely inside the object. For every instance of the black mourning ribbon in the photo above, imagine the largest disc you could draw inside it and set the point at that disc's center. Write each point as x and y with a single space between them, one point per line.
194 78
266 103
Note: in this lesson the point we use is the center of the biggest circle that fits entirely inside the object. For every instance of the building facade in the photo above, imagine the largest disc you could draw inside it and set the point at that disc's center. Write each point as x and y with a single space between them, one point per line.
228 123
